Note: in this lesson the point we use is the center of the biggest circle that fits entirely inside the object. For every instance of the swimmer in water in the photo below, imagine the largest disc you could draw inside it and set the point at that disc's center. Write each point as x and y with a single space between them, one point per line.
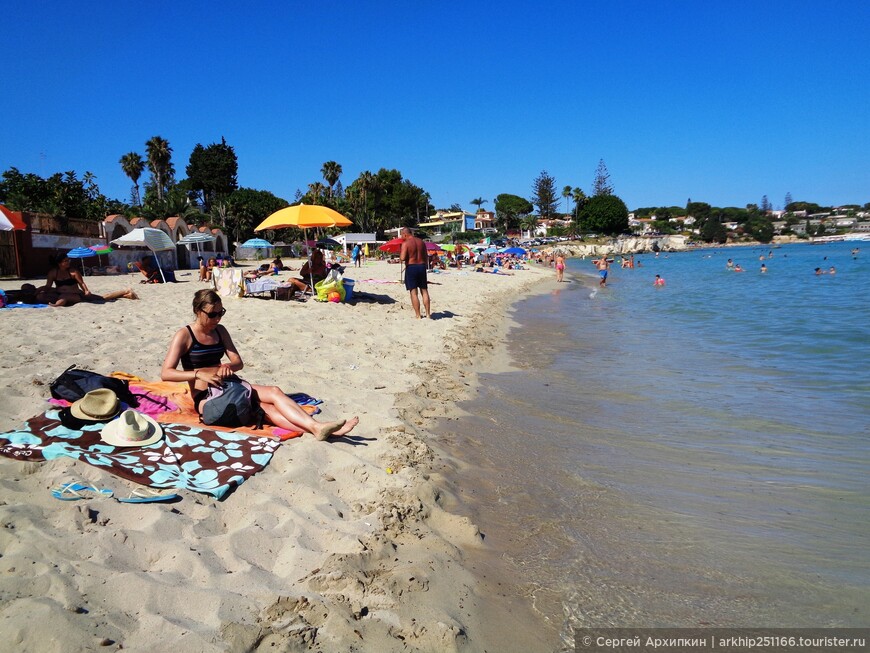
659 281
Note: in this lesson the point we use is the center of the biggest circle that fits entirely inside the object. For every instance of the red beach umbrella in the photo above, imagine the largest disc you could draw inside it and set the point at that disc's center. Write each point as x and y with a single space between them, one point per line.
393 246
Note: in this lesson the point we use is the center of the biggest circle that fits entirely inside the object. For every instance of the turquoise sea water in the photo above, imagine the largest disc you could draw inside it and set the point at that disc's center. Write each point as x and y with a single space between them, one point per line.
689 455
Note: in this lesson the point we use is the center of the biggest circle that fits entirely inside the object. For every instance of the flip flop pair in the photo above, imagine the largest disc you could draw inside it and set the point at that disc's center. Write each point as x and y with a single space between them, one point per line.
77 492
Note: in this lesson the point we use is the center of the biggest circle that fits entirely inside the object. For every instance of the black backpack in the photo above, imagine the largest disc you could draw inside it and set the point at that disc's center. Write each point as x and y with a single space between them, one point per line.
74 384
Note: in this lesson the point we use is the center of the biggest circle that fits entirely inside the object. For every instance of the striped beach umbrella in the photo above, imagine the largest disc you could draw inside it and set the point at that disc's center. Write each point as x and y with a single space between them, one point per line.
99 250
81 252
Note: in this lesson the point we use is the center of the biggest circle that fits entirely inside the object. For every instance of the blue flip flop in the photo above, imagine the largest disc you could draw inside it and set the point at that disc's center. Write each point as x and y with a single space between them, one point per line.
77 491
148 495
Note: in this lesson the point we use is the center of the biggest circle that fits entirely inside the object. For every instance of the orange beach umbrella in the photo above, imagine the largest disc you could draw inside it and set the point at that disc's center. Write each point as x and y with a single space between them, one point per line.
304 216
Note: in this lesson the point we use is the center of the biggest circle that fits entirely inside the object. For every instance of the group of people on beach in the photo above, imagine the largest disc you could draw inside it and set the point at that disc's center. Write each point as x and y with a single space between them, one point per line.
602 264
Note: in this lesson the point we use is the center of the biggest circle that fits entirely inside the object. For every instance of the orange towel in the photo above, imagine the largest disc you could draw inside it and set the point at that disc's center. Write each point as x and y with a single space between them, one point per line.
179 393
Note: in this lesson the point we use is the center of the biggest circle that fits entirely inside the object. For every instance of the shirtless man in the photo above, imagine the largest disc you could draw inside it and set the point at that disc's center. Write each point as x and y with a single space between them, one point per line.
414 256
560 267
603 265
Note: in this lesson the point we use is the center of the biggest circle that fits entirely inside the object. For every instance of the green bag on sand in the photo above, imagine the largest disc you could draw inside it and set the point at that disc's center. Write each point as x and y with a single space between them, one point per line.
328 285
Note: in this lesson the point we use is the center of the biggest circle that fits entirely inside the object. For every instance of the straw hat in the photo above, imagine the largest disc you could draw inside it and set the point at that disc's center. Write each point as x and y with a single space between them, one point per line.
132 429
98 405
95 407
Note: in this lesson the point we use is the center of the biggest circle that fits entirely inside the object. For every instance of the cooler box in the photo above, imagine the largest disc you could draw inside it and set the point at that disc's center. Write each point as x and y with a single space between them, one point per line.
348 289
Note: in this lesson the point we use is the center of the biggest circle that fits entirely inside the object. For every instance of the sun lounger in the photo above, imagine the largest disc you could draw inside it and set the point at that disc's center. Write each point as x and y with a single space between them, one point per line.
263 286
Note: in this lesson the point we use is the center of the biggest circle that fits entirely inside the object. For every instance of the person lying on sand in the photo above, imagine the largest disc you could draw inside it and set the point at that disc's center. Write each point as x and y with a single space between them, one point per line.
200 348
70 287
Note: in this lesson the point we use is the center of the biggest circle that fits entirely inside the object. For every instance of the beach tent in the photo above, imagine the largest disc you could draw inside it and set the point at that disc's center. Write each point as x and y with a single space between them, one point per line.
153 239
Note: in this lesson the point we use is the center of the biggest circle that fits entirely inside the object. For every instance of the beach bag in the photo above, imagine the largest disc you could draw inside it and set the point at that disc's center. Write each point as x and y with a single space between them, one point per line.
231 404
74 384
332 283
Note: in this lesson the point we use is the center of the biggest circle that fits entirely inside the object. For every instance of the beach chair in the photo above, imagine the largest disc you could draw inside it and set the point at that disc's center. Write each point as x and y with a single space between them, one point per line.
262 287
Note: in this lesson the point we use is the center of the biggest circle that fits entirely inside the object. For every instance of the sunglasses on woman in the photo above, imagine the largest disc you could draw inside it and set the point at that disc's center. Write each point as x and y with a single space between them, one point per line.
213 315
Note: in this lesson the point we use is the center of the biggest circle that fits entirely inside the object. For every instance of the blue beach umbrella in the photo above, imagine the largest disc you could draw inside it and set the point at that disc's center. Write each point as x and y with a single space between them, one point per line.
490 250
256 243
81 252
516 251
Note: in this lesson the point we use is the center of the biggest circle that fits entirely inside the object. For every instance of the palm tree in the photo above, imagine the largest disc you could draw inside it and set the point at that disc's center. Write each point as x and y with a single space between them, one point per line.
579 199
479 201
316 192
566 193
331 171
530 222
367 182
133 165
159 162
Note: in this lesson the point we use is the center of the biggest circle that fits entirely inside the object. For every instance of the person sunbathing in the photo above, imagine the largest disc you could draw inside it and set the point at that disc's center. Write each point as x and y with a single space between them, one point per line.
200 348
265 270
65 286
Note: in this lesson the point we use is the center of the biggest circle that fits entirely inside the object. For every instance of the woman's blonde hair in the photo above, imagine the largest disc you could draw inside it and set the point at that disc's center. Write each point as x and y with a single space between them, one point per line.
203 298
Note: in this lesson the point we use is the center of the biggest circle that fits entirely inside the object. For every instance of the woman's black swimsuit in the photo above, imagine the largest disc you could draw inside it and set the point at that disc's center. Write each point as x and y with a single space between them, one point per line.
199 356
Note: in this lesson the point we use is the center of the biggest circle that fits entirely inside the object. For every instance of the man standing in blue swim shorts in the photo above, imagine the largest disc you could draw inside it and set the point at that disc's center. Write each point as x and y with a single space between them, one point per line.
414 256
602 264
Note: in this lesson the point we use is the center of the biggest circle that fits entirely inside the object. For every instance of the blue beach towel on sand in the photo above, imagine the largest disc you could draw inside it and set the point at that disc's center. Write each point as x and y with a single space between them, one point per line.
187 458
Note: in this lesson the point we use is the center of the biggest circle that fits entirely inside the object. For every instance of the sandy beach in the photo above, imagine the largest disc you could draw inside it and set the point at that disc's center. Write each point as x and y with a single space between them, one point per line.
323 550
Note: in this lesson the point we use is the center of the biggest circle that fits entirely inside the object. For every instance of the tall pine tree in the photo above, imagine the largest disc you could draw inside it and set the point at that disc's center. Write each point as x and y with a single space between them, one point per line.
601 184
544 195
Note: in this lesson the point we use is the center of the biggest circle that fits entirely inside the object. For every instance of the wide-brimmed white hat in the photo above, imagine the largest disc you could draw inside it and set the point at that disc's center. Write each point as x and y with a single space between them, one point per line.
132 429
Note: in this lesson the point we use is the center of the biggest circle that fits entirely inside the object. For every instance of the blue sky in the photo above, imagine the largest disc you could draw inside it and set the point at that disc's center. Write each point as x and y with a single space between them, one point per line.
716 101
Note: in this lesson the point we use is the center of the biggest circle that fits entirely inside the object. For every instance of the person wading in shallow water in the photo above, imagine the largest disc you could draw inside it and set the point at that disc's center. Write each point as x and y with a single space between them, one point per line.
603 265
560 267
414 256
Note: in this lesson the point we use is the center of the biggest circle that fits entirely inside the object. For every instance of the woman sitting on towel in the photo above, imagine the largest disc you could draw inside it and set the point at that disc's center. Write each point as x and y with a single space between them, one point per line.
70 287
200 348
